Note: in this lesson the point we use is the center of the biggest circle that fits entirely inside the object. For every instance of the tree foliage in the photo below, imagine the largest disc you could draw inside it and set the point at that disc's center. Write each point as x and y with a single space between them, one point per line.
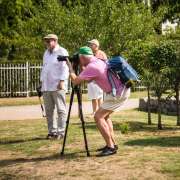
158 65
118 25
173 8
162 59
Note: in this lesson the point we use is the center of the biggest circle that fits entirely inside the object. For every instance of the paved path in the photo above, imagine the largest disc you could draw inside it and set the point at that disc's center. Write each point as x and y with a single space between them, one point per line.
35 112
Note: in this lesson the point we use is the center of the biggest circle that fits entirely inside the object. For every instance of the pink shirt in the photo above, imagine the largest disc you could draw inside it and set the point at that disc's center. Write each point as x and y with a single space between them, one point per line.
97 71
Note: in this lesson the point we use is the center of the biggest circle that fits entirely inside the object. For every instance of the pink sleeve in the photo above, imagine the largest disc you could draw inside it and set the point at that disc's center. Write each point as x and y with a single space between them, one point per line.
88 73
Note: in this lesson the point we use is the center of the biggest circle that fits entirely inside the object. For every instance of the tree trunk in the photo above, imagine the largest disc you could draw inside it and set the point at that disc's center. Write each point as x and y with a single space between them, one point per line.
159 112
149 110
177 104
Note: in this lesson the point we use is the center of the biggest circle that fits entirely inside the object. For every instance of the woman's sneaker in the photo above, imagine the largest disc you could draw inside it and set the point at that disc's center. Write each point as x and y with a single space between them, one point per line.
107 151
101 149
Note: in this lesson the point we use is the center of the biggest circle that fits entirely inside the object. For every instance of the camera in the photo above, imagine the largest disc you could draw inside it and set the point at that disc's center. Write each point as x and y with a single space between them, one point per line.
39 92
74 58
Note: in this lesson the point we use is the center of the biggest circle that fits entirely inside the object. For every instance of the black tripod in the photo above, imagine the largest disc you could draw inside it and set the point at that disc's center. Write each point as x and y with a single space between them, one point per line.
75 89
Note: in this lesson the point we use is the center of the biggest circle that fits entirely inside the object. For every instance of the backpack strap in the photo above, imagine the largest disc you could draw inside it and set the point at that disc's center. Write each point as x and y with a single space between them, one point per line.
122 91
103 59
113 85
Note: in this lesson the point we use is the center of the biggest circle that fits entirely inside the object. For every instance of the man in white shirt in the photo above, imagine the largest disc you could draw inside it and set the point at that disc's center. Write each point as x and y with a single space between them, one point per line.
54 85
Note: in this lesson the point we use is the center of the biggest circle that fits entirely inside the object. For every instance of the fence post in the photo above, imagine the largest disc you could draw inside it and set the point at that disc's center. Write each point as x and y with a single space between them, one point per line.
27 83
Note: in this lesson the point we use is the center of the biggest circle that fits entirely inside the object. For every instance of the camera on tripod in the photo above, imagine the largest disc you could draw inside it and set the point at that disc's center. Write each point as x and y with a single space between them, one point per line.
74 58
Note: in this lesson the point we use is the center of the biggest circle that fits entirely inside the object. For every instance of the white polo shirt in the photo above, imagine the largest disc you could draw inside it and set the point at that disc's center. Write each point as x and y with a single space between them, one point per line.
53 70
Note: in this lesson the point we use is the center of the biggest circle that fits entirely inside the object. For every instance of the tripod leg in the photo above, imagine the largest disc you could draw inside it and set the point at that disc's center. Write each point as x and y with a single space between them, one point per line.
67 122
82 120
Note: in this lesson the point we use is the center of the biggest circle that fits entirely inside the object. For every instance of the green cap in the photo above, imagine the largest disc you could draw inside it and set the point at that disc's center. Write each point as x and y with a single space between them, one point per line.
85 50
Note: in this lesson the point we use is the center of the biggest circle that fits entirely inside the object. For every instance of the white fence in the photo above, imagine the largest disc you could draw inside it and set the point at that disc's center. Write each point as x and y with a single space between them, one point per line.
23 79
19 79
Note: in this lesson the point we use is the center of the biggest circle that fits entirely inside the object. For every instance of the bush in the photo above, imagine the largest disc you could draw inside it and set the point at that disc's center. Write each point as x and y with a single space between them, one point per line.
125 128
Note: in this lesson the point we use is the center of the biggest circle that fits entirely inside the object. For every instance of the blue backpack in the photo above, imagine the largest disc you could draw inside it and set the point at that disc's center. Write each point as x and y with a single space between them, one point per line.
123 71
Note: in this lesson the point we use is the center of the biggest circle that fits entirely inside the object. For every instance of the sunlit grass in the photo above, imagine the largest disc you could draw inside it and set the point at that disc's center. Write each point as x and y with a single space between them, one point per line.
22 143
19 103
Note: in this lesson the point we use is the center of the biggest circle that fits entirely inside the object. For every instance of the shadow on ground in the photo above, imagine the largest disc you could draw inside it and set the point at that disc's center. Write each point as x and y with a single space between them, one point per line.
160 141
51 158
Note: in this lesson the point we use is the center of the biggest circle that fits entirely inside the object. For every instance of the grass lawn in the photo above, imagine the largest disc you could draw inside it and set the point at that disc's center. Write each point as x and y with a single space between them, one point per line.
35 100
144 153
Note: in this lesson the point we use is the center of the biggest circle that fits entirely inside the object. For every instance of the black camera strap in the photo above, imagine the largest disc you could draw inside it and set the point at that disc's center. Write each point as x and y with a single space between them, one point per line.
42 108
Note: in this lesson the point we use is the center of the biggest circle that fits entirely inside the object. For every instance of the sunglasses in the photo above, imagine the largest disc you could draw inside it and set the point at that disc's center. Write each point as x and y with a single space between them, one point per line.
48 41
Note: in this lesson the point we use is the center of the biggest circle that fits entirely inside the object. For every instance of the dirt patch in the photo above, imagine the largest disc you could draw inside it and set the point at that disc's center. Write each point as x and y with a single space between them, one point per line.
19 99
111 168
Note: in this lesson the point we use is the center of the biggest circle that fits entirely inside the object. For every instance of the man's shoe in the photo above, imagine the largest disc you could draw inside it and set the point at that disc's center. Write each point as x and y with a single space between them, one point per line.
49 136
107 151
101 149
57 137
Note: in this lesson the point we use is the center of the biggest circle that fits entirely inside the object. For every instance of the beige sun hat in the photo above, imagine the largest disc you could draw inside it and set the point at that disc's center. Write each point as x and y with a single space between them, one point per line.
94 41
51 36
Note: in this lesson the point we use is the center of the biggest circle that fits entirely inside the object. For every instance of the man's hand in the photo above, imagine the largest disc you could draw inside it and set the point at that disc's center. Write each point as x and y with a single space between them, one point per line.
89 81
60 85
75 79
69 63
39 85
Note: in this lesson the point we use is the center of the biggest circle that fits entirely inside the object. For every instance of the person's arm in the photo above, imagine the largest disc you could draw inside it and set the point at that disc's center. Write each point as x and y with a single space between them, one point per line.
81 67
75 79
64 74
104 55
40 84
60 84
